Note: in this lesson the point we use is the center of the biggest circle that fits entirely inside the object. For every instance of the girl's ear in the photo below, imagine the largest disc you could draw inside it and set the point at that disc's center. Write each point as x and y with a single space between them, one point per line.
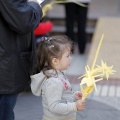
55 61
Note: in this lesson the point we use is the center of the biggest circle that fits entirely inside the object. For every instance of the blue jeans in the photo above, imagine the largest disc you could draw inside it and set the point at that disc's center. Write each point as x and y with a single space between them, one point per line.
7 104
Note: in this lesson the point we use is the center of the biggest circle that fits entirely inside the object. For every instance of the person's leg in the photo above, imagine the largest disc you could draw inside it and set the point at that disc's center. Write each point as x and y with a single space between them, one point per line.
70 17
82 19
7 104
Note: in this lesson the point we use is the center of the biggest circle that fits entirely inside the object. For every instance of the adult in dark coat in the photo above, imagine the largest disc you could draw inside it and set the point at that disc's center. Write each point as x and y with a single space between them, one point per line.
78 14
18 19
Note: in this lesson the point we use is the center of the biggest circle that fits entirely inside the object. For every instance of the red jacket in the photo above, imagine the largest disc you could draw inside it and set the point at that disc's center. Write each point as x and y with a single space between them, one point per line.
43 28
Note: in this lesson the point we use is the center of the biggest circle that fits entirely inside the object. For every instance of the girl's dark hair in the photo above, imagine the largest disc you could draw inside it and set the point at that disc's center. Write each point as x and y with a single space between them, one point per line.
48 48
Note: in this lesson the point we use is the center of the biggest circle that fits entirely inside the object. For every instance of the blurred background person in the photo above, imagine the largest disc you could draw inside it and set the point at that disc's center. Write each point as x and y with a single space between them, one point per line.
78 14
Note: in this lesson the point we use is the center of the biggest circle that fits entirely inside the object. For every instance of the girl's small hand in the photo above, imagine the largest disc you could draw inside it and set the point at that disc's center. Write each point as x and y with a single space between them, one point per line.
77 95
80 104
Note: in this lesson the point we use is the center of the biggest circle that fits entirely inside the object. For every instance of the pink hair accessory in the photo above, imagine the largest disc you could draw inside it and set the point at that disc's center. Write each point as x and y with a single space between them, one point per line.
44 38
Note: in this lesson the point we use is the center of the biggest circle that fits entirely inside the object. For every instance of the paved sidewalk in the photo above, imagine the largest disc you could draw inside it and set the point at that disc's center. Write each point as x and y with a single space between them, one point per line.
103 105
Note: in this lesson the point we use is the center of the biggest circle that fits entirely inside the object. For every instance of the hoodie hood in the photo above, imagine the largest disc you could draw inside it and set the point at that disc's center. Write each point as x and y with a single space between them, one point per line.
36 83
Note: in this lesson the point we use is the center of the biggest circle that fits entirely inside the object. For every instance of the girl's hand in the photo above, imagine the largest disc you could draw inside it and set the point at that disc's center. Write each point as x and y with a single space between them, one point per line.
80 104
77 95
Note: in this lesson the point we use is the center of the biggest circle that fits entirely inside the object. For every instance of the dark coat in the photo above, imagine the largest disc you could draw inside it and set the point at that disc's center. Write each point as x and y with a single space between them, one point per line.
18 19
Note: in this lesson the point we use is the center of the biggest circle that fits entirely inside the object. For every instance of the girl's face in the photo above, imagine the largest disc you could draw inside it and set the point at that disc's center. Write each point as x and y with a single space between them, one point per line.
64 62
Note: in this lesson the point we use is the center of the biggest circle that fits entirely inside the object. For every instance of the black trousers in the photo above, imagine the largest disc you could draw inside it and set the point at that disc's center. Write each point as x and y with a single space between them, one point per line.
76 13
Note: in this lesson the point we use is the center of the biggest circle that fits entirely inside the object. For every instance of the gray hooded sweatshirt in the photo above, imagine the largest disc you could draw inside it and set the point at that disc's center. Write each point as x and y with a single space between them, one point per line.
57 97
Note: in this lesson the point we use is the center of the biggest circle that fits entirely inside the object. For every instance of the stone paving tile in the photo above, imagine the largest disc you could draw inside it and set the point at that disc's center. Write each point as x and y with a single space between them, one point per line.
98 111
28 107
99 115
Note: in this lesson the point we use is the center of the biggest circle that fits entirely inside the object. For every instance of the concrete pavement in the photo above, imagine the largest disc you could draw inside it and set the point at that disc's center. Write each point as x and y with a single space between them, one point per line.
98 106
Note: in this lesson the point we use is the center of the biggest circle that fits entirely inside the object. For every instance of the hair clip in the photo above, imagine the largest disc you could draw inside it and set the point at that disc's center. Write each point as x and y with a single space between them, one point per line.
44 38
49 39
51 46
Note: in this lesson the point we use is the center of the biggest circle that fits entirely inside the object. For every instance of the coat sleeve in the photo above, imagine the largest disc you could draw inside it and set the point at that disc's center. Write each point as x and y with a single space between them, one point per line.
21 16
53 93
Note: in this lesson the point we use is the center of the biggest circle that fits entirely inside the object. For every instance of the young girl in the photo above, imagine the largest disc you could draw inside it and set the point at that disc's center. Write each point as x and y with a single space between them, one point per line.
58 100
